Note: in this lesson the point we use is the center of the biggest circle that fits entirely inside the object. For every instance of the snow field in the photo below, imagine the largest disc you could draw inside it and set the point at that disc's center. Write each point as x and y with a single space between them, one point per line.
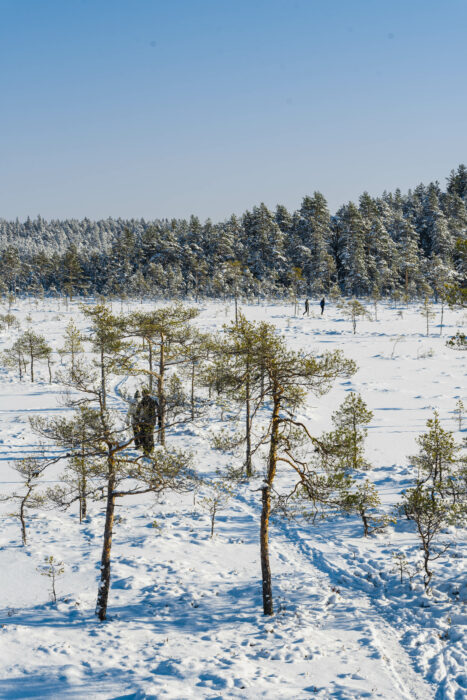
185 612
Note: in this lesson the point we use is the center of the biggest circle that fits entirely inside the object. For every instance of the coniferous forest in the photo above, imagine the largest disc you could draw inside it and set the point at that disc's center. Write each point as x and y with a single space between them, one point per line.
396 245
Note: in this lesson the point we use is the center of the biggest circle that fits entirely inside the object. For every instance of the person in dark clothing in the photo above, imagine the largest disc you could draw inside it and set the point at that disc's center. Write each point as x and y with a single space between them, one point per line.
322 303
146 417
307 308
132 419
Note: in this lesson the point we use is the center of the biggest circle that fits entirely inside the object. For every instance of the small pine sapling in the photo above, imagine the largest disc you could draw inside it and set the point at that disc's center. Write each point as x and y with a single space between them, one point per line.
353 310
364 501
218 497
459 412
30 470
457 341
73 343
437 500
52 569
347 440
427 311
431 515
402 566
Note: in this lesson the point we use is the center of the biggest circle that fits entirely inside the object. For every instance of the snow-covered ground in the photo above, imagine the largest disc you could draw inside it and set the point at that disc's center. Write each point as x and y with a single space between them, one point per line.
185 611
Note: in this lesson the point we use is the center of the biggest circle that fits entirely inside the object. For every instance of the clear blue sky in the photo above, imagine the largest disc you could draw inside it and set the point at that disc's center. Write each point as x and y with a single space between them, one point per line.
165 108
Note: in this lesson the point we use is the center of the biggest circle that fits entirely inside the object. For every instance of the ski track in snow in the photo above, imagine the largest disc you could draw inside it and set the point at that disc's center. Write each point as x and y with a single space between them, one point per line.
185 615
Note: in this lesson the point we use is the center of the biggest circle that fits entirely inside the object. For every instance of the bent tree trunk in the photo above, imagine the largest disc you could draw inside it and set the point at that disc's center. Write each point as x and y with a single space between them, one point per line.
266 509
104 585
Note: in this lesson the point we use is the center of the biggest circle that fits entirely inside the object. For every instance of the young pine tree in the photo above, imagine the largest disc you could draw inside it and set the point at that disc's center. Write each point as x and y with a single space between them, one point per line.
438 497
30 471
346 441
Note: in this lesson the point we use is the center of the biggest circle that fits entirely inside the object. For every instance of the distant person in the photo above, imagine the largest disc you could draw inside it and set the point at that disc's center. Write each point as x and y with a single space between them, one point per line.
307 308
132 418
322 304
146 416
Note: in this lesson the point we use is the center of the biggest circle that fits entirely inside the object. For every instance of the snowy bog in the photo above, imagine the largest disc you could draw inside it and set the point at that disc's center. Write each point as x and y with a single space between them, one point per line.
352 618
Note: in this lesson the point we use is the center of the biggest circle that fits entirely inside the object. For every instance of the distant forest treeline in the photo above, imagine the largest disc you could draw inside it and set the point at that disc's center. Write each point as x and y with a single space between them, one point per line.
394 245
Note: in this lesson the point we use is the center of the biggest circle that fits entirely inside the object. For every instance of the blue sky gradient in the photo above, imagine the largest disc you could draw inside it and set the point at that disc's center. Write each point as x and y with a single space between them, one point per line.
143 108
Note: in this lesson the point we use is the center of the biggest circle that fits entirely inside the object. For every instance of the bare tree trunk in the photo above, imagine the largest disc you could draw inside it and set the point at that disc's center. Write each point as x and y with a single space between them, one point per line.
21 517
150 365
161 393
104 401
83 506
365 523
266 510
213 518
192 390
104 586
248 467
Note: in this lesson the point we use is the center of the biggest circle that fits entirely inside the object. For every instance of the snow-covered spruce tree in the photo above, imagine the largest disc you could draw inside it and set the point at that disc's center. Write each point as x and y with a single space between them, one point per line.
265 240
351 251
456 291
439 497
166 332
111 465
73 279
313 229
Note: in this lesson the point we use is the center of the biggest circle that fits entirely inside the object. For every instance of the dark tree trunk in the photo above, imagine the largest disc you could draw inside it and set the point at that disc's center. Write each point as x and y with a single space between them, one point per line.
248 466
150 365
103 381
104 586
193 390
266 510
161 395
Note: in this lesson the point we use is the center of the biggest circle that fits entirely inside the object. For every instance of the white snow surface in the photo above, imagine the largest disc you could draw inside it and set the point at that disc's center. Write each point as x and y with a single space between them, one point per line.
185 612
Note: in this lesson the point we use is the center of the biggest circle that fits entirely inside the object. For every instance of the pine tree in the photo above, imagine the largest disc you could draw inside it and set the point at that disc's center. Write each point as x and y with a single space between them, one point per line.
30 471
107 339
166 332
104 446
73 343
33 346
354 310
349 434
285 377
